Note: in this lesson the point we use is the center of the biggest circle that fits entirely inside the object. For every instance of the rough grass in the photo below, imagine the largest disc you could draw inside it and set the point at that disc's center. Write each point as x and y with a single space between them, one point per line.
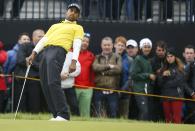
39 122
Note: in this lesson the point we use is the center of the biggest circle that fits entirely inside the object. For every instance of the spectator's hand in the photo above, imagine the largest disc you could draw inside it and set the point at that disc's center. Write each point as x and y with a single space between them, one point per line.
193 96
64 76
158 71
31 58
166 73
72 67
152 77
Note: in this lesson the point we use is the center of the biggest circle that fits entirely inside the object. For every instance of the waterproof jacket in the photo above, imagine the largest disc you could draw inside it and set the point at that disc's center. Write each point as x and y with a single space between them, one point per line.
3 57
190 73
175 84
24 52
105 76
140 72
70 80
10 63
86 76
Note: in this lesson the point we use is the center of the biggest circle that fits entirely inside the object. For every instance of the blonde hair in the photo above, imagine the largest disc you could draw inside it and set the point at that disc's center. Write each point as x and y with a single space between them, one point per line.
180 64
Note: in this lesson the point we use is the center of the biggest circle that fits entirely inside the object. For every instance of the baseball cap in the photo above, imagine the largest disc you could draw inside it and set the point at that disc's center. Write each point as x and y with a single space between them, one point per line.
74 5
132 43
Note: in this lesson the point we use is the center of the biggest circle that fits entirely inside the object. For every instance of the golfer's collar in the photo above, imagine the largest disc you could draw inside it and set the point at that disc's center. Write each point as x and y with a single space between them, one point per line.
67 21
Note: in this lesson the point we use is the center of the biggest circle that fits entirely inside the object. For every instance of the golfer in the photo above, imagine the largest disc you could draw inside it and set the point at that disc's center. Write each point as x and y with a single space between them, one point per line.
55 44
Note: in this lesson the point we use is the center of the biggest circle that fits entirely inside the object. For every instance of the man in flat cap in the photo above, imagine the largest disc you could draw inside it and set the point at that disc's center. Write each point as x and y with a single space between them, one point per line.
55 44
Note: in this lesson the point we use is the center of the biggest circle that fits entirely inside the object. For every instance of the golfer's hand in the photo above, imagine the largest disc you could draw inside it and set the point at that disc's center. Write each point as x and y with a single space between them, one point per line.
72 66
64 76
31 58
193 96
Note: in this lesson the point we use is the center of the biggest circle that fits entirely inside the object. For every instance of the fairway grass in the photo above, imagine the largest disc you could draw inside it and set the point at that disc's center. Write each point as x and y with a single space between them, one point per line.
27 122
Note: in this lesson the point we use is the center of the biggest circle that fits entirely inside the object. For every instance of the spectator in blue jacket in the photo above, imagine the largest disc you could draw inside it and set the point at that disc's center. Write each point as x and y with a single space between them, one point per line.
11 54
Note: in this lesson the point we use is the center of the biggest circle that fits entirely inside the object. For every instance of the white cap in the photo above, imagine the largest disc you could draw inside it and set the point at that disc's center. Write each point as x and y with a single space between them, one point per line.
145 41
131 42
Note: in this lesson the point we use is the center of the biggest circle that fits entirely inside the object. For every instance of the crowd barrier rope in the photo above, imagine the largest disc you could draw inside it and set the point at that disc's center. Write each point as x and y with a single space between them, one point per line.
106 89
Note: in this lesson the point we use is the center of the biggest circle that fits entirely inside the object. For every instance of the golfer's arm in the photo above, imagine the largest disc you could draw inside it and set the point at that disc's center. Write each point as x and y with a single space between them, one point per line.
40 45
76 49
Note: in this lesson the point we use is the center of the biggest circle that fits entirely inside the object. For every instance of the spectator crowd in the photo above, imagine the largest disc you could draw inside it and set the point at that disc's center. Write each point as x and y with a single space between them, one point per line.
124 65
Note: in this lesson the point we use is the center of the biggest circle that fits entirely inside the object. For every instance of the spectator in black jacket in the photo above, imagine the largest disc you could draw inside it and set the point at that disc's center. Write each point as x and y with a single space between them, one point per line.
31 99
173 84
158 62
189 55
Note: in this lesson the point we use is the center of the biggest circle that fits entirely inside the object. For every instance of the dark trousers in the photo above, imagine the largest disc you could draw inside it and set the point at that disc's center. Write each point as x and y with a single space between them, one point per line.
1 7
144 104
72 100
111 102
133 109
190 116
2 101
124 100
50 68
85 7
193 6
157 113
124 107
167 9
110 8
139 6
17 5
31 98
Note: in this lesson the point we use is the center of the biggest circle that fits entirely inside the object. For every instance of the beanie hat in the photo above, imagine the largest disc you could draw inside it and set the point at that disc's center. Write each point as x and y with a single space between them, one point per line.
171 51
145 41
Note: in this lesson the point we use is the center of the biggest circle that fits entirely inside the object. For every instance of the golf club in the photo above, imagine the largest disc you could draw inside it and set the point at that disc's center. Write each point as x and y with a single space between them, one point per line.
26 75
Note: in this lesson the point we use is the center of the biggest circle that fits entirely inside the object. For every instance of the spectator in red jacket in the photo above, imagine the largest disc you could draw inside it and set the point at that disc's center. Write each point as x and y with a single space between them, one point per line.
85 78
3 57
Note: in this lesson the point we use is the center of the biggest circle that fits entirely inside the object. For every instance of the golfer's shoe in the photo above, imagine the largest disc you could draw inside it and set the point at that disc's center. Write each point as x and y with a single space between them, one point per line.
58 118
52 119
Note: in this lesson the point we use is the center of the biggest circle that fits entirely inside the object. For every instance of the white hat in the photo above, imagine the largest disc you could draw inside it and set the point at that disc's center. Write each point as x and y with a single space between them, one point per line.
145 41
131 42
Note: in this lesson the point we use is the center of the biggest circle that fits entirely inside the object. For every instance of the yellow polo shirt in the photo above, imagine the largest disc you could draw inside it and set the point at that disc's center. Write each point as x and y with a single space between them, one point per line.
63 34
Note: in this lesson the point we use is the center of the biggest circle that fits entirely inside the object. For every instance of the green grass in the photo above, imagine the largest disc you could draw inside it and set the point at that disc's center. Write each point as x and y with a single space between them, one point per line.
39 122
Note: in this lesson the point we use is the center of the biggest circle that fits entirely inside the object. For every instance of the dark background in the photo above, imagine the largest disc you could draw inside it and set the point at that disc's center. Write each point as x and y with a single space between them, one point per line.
177 35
